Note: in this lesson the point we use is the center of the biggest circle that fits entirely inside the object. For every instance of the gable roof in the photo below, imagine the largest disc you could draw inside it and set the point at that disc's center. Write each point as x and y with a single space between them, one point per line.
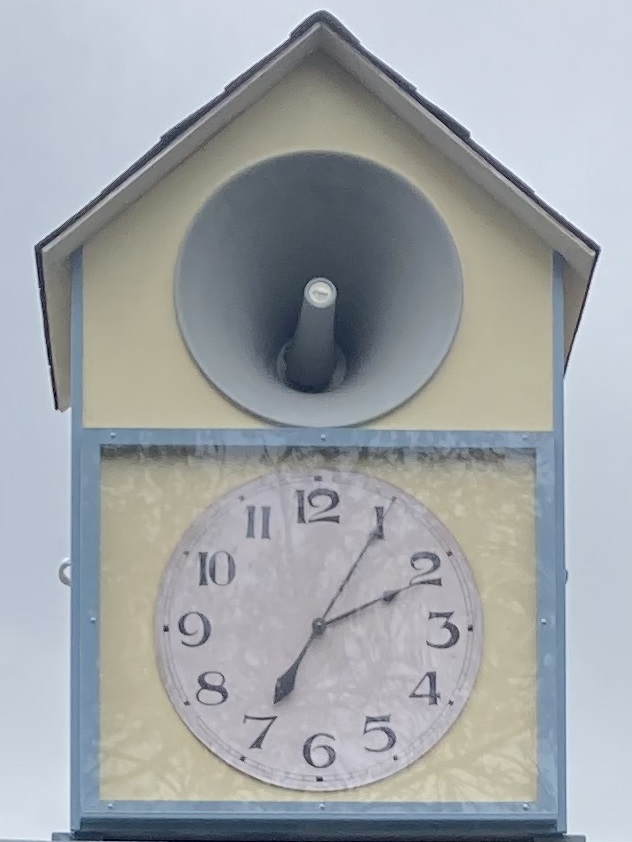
323 32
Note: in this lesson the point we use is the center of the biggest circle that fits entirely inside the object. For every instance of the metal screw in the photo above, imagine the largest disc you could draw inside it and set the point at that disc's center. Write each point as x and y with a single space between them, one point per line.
321 806
323 438
544 621
93 619
525 806
524 436
110 806
112 435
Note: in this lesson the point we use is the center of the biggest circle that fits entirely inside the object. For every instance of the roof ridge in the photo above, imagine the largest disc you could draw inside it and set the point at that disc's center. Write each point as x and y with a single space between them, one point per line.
326 18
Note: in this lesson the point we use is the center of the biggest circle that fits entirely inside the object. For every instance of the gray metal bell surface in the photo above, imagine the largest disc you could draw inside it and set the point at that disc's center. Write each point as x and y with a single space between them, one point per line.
241 279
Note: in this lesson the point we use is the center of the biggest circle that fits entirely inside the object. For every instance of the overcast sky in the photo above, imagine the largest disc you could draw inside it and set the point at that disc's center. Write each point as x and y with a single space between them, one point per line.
86 86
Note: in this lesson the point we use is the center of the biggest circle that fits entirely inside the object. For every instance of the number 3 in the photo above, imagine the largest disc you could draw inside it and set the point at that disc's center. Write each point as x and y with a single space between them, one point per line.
455 634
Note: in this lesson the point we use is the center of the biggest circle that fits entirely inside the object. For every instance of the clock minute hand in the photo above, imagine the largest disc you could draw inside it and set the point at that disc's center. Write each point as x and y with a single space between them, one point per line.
372 537
387 597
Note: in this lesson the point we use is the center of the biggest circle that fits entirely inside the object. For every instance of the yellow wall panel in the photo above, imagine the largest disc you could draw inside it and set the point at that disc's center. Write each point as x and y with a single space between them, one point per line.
149 498
137 370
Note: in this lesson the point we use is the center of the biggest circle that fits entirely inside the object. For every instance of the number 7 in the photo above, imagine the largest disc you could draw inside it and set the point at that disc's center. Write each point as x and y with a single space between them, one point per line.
258 743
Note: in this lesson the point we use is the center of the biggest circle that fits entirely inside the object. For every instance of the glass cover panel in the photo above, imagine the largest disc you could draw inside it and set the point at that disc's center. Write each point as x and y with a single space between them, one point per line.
317 624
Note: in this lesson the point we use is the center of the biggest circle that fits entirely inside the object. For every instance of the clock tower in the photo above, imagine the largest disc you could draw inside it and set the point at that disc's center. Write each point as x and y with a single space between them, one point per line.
314 343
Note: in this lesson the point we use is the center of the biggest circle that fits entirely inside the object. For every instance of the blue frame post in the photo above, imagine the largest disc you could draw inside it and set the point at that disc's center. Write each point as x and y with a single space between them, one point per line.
559 363
76 400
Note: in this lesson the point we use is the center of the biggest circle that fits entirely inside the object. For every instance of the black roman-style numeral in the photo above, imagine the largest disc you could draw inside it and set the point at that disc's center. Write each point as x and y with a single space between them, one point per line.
313 500
212 688
326 754
426 563
453 631
258 742
379 522
264 520
431 695
220 568
371 724
199 630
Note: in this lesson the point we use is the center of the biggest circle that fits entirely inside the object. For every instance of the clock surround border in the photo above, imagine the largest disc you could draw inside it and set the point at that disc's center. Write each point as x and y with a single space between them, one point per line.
161 819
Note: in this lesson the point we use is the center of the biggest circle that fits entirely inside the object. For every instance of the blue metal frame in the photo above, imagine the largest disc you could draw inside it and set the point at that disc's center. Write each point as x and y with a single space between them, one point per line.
76 400
324 820
559 362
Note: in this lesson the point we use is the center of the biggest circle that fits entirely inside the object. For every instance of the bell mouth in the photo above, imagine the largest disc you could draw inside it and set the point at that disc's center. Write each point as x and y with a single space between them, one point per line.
262 236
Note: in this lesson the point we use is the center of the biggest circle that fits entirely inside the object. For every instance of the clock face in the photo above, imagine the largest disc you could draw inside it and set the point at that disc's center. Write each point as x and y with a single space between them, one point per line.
318 631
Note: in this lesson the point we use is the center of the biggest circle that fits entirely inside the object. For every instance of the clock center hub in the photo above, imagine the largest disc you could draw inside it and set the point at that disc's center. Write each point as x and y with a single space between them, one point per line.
319 625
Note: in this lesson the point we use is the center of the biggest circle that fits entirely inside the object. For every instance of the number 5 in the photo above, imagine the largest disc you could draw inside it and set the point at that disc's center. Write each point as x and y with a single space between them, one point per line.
390 734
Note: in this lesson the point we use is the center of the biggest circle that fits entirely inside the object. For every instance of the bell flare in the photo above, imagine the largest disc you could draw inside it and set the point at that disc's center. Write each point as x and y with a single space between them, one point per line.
321 256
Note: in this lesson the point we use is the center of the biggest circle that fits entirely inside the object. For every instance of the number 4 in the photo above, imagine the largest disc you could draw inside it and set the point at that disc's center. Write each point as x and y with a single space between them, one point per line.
432 694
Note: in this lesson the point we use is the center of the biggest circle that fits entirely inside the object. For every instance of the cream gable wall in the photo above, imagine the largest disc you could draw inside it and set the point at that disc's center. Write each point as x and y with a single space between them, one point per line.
137 371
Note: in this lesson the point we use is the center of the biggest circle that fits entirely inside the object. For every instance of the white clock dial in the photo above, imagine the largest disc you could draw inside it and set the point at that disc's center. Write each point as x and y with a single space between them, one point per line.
318 631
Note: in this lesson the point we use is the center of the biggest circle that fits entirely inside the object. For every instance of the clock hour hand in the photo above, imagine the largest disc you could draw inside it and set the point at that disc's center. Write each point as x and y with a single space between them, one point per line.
285 683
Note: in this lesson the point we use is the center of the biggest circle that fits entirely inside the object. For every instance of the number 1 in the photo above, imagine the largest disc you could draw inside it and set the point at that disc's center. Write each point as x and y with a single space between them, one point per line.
379 520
